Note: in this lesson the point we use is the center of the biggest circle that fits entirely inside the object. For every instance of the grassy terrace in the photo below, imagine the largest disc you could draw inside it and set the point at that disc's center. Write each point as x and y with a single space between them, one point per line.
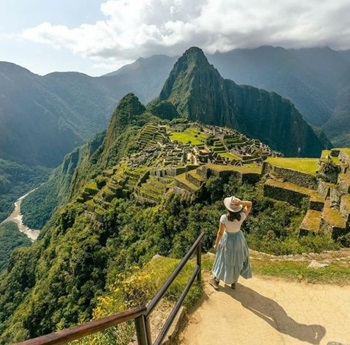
248 168
333 217
312 221
326 153
191 134
182 179
337 273
295 188
229 156
345 150
304 165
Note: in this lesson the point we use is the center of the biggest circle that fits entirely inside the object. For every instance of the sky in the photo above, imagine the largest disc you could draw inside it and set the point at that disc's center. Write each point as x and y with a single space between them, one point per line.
96 37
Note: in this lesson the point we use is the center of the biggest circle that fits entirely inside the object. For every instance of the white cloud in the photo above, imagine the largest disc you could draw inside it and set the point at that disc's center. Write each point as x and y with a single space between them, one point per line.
137 28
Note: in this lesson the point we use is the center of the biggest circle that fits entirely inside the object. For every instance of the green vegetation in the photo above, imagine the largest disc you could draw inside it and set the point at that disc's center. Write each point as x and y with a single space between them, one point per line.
190 136
15 181
229 156
10 239
136 288
336 273
305 165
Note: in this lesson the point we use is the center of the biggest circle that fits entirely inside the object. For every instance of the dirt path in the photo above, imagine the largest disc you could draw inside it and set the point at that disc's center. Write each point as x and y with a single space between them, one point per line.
263 311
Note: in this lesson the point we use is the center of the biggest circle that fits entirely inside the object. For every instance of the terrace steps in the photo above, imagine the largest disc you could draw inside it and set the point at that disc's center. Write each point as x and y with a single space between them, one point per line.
332 218
290 192
181 181
153 189
193 177
311 222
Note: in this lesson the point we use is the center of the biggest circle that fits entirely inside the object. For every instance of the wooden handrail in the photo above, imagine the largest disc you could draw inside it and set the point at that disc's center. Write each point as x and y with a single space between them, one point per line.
78 332
153 303
140 314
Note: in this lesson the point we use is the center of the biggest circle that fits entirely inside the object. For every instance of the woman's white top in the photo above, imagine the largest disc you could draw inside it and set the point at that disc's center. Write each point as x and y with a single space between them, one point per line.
235 225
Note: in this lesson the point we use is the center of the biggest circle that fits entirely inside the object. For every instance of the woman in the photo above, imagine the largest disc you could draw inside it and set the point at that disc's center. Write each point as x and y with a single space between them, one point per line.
232 257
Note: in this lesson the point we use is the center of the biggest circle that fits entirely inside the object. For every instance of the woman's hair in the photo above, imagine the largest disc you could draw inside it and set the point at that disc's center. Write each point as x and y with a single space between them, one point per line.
231 216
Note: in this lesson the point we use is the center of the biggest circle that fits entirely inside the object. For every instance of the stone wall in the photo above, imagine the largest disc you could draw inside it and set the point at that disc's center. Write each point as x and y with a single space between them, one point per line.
296 177
282 194
225 174
344 207
323 189
316 205
344 157
193 179
174 171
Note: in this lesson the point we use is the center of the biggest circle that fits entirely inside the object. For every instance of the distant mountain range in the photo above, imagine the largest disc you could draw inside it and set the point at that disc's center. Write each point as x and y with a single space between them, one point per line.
44 117
315 80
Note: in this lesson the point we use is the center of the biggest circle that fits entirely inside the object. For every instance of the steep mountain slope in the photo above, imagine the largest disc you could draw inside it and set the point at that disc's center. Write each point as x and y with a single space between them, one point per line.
31 116
90 102
63 110
15 181
199 93
279 70
314 79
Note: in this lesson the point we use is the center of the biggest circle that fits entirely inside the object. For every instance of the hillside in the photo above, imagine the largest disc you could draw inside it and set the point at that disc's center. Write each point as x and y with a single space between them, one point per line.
138 190
15 181
65 109
31 115
316 80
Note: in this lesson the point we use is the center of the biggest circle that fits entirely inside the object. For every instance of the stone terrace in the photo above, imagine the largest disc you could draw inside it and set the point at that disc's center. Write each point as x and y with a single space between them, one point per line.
328 196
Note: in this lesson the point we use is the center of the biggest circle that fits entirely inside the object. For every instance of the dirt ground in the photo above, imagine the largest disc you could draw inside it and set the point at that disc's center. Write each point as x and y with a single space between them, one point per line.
264 311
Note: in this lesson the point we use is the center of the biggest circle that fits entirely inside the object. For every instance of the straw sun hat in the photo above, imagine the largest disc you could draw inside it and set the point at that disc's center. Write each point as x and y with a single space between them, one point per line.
233 204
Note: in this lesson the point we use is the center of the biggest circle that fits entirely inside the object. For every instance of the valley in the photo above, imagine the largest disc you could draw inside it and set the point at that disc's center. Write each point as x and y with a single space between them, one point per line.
17 218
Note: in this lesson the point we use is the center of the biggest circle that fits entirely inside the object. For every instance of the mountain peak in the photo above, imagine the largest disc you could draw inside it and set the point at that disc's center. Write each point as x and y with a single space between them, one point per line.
193 56
199 93
126 114
192 78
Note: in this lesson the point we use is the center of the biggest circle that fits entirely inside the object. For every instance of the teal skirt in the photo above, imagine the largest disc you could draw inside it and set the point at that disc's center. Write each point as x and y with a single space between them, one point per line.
232 258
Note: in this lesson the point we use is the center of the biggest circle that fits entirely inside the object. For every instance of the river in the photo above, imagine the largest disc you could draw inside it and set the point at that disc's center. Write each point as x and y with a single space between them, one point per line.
17 217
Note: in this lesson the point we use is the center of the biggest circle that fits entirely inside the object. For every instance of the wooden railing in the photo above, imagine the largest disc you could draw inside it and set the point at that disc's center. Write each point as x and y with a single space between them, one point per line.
140 315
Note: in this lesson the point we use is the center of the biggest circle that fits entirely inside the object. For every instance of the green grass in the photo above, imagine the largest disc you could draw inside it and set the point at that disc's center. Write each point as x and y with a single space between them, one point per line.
191 134
185 138
247 168
336 273
326 153
229 156
304 165
295 188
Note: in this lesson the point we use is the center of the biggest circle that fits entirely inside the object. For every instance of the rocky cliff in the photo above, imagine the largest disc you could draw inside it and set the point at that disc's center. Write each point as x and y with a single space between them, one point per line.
199 93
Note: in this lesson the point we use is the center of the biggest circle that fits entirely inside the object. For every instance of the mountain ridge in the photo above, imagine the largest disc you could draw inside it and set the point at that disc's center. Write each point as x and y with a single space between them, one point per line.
199 93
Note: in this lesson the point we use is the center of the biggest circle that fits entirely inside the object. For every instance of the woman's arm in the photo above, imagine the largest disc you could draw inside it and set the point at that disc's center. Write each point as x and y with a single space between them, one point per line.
247 206
219 235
